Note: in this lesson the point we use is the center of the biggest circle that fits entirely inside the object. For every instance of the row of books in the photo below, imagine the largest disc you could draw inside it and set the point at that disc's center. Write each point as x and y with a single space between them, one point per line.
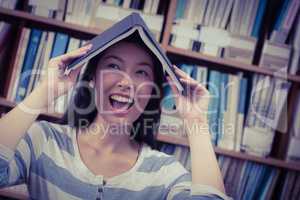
291 186
100 14
230 29
245 180
35 49
244 112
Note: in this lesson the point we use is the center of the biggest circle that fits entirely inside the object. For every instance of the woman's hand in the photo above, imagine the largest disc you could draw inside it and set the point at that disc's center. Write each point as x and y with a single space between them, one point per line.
192 108
54 82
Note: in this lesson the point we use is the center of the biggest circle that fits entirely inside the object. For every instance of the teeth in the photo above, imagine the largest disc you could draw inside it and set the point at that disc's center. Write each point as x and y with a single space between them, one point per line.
121 99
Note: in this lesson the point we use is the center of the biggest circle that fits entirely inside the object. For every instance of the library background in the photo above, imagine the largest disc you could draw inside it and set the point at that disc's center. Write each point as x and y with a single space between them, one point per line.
246 52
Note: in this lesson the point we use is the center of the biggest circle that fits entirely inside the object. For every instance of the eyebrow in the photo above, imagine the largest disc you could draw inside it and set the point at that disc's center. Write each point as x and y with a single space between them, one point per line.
121 60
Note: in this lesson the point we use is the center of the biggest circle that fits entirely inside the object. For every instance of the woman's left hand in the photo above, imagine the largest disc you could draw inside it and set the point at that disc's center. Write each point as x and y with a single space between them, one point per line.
194 106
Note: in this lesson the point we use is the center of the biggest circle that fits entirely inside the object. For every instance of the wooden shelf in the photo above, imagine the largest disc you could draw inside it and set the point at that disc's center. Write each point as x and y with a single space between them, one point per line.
233 65
4 103
239 155
34 21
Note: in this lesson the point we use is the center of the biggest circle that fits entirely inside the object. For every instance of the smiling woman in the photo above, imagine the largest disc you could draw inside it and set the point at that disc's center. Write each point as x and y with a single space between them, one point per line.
105 147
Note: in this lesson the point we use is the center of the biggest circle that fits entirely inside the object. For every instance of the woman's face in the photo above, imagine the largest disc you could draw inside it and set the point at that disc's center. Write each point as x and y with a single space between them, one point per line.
124 83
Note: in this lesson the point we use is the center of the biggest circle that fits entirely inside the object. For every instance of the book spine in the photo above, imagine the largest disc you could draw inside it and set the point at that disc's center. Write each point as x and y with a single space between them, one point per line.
30 55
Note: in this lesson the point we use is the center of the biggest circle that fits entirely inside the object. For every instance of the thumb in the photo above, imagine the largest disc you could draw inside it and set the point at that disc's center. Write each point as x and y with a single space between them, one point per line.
175 91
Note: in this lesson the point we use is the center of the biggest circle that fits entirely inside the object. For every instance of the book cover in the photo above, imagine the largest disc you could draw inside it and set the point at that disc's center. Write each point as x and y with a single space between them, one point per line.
124 28
30 56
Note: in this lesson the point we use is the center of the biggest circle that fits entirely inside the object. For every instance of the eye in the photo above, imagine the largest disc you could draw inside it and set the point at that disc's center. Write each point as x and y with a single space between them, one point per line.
114 66
143 72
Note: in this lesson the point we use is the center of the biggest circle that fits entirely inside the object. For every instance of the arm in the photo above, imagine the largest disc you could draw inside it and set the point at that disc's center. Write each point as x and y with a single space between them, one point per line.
193 110
205 168
27 111
17 147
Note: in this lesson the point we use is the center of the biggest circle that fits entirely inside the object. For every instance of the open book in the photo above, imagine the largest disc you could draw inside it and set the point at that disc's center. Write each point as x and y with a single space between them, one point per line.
124 28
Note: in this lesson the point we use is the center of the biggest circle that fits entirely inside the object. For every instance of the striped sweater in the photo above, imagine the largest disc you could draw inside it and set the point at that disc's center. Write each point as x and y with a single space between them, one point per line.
47 159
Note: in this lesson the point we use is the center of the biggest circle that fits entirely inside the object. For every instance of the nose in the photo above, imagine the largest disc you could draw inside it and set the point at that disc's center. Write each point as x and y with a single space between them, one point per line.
125 84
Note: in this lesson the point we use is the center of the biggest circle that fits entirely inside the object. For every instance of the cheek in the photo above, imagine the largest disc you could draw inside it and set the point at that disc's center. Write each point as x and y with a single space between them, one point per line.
143 96
106 80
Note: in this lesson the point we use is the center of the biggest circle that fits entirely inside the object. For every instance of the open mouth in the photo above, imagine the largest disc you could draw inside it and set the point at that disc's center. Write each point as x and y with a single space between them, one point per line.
120 103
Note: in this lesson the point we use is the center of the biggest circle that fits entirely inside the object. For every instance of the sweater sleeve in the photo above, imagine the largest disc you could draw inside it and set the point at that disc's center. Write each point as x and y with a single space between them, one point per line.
183 189
15 164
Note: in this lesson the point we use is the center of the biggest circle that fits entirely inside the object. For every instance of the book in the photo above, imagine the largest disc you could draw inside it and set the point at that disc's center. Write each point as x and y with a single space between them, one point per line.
125 28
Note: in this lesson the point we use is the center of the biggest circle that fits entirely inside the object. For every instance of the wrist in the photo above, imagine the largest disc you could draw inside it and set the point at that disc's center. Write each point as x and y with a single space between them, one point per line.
37 101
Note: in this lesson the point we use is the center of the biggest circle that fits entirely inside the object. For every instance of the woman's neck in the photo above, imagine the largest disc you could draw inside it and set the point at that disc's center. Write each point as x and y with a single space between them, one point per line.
107 137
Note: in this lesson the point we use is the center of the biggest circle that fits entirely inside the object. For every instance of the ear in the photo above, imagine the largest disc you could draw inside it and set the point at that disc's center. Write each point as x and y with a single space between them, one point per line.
92 83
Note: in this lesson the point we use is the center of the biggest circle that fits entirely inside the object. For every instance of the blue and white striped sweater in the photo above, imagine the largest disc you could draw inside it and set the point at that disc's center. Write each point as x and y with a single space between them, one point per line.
48 161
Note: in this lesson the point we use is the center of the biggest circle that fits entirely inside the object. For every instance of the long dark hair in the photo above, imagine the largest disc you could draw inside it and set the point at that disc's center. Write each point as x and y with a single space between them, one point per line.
83 97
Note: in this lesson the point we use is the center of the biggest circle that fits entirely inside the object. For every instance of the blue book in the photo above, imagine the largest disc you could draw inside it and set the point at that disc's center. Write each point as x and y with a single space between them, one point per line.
282 14
188 69
180 8
243 95
245 178
258 19
60 45
269 177
223 102
132 25
214 104
30 55
168 101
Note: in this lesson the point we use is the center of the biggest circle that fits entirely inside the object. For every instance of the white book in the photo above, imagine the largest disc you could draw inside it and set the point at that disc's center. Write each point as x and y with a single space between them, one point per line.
154 7
266 92
208 12
126 3
51 5
213 13
74 43
225 17
230 114
221 9
202 10
147 6
192 10
182 42
50 40
257 141
240 13
277 112
245 17
234 17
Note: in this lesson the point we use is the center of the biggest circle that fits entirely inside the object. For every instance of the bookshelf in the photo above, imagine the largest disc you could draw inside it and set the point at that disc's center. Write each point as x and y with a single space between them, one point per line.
33 21
268 161
23 19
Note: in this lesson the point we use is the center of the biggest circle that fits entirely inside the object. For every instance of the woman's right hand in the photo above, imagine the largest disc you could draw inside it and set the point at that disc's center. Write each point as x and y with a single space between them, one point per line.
54 82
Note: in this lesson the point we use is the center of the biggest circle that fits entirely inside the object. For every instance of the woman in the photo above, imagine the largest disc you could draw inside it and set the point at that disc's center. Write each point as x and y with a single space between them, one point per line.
94 156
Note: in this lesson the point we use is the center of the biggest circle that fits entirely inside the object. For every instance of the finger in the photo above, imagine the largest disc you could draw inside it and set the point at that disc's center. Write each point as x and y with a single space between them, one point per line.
174 89
74 73
75 54
181 73
197 87
192 83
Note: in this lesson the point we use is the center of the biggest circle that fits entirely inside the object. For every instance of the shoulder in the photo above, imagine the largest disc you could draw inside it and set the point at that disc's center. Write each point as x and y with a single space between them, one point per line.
153 156
42 131
162 165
